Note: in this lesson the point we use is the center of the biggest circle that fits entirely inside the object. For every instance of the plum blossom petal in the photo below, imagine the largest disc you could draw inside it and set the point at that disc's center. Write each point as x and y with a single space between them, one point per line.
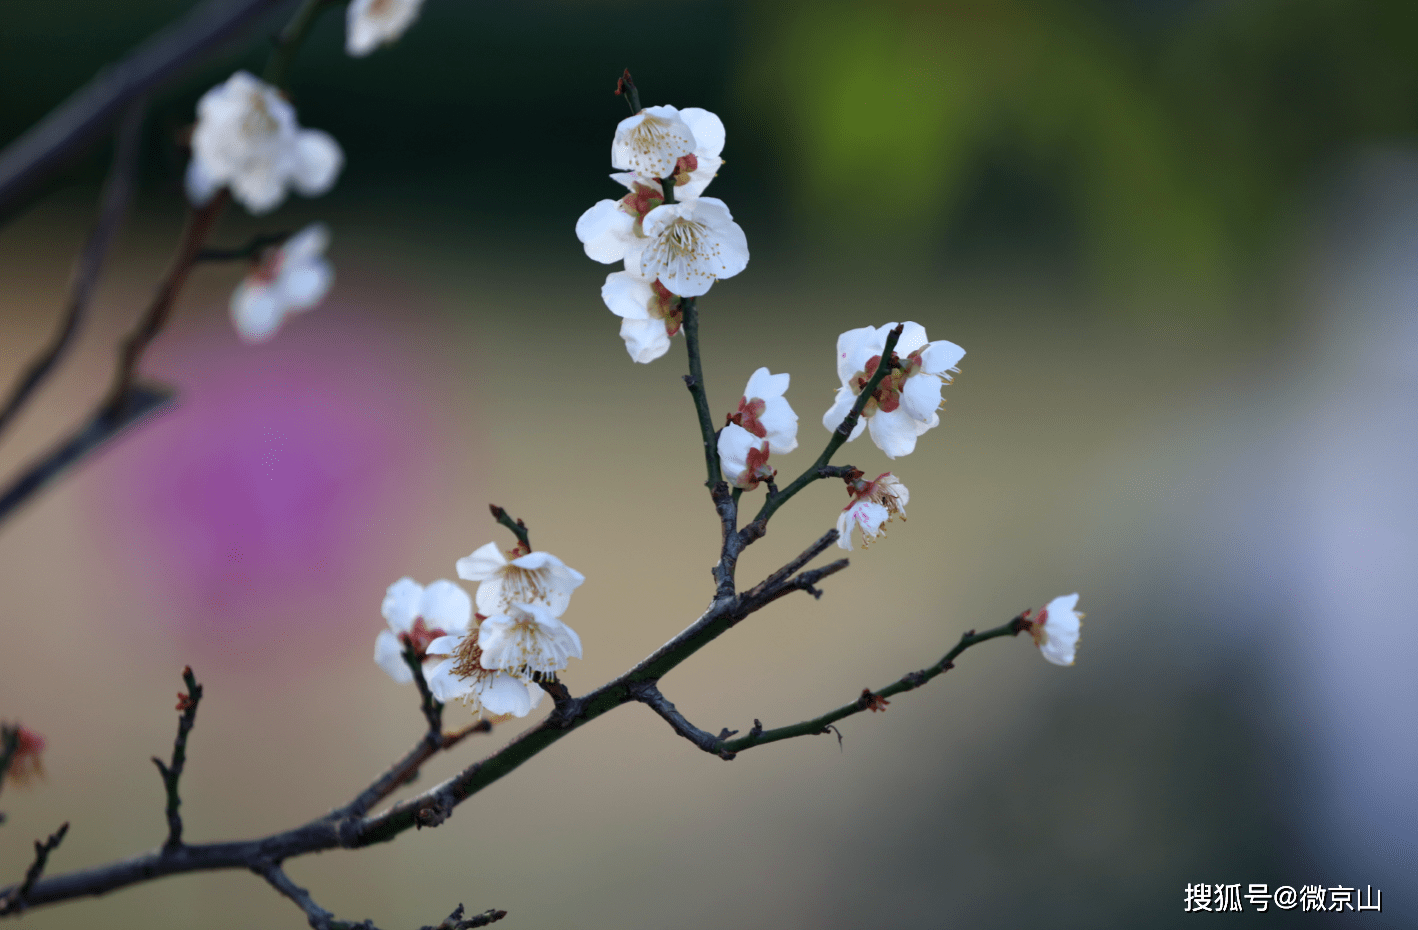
691 245
743 457
372 23
247 139
389 655
765 412
874 504
422 616
1057 628
651 142
606 231
650 315
462 675
291 277
527 640
841 406
868 516
537 578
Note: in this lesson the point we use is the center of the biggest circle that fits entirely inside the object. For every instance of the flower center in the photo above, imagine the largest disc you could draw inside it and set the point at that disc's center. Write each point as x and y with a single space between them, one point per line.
420 635
683 239
887 396
653 135
258 120
524 586
469 656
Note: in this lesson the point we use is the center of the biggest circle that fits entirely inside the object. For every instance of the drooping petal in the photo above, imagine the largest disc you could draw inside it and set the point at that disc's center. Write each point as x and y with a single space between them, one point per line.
443 684
645 340
305 285
317 163
941 357
389 655
446 606
501 693
841 406
628 295
920 395
256 312
894 433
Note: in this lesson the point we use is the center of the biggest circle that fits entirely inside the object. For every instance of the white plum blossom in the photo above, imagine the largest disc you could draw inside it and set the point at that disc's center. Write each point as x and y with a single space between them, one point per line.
905 403
421 615
874 504
692 172
292 277
1056 629
462 675
649 314
609 232
528 640
690 245
651 142
529 578
247 139
372 23
765 412
743 457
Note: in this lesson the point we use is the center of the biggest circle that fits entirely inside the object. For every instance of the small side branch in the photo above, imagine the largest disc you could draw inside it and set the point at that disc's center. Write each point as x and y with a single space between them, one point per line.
17 900
187 704
254 247
518 528
872 700
432 708
648 693
321 919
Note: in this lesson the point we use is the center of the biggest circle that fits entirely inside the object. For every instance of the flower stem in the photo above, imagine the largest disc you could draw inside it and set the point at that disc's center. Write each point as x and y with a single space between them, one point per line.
289 40
695 382
839 437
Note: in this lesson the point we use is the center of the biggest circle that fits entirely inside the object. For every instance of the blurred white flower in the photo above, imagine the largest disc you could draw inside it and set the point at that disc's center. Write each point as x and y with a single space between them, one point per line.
874 504
743 457
651 142
649 314
691 245
462 675
765 412
527 640
693 172
372 23
247 139
420 615
904 405
531 578
1056 629
291 277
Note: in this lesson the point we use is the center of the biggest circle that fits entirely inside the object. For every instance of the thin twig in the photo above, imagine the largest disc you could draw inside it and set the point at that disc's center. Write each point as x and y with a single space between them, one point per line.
187 704
90 112
518 528
290 39
406 769
318 917
16 899
254 246
117 193
689 306
9 747
432 708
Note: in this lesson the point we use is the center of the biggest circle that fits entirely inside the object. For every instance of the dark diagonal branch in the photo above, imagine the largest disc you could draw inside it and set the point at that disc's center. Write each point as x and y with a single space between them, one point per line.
871 700
14 900
407 769
9 748
117 193
840 435
689 306
432 708
141 402
187 704
90 112
518 528
253 247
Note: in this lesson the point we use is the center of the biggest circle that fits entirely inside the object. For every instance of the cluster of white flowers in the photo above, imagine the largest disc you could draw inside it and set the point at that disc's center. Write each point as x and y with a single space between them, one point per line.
674 242
494 658
248 141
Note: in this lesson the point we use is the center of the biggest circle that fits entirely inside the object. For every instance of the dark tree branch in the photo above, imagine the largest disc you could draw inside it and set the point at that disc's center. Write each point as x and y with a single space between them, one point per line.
318 917
187 703
141 402
406 769
91 111
290 39
456 920
254 247
16 899
518 528
689 306
9 746
117 192
648 693
759 525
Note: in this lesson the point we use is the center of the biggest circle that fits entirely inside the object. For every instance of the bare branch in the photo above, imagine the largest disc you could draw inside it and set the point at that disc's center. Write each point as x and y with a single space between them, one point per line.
14 900
89 112
187 704
648 693
117 193
406 769
518 528
253 247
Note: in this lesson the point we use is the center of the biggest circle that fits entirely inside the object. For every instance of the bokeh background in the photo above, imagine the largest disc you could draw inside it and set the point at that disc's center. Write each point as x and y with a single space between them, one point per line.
1179 240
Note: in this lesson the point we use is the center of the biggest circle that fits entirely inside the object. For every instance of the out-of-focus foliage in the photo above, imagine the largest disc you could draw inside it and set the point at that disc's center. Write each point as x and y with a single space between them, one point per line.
1161 137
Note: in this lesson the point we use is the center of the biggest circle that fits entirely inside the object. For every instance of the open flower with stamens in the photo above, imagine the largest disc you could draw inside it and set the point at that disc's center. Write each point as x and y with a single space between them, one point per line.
372 23
527 641
874 504
905 403
743 457
27 762
652 142
693 172
765 412
291 277
462 675
418 615
649 314
691 245
1056 629
247 139
535 578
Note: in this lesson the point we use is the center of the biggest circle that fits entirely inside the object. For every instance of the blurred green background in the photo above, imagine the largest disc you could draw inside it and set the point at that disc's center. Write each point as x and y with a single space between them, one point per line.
1178 242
